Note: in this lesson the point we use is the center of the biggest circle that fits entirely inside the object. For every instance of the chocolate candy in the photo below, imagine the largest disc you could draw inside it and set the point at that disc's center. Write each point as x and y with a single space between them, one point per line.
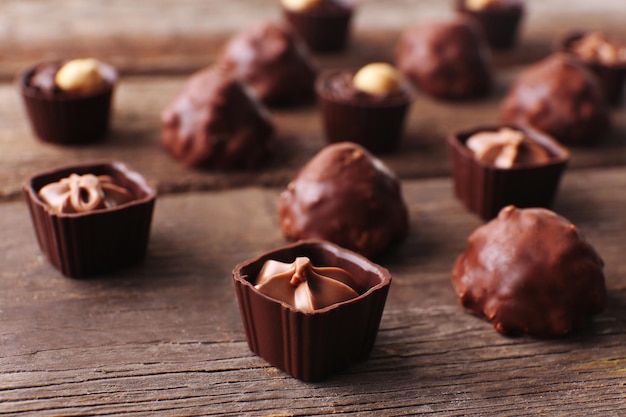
69 102
447 59
272 60
368 107
347 196
499 19
216 123
530 271
311 345
561 97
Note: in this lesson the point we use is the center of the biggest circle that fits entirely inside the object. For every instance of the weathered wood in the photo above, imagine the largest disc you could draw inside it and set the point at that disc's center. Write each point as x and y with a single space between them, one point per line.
166 338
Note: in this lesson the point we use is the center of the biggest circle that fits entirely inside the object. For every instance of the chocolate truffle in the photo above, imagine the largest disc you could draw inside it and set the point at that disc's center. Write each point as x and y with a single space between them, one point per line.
93 218
494 166
499 19
368 107
272 59
561 97
347 196
530 271
447 59
69 102
313 342
215 122
323 24
604 56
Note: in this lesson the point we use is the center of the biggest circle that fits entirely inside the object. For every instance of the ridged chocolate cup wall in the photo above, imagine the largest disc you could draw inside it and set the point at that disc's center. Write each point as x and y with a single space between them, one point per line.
500 22
611 78
485 189
311 346
90 243
377 126
68 119
325 31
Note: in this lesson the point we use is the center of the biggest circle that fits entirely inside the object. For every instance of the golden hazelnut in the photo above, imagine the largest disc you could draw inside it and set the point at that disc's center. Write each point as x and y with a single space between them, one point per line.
80 76
479 4
300 5
378 78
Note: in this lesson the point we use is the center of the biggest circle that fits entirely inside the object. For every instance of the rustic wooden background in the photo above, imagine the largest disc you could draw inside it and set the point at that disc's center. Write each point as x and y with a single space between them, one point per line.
165 338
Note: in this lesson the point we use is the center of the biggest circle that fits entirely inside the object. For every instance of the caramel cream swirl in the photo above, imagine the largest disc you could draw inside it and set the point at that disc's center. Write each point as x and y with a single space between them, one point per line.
84 193
507 148
304 286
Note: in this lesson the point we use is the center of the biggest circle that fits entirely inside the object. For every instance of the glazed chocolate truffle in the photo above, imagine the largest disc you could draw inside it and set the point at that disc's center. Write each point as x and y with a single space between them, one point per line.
499 19
561 97
328 320
92 218
69 102
604 56
347 196
447 59
530 271
323 24
215 122
367 107
494 166
272 59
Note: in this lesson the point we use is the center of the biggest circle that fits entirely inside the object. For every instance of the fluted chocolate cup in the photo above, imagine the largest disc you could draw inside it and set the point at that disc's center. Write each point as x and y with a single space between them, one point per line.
312 345
611 77
68 119
99 241
484 189
377 125
324 30
500 22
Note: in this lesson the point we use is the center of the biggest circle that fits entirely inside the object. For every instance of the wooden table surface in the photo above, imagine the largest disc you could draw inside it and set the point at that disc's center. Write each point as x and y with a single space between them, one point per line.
165 337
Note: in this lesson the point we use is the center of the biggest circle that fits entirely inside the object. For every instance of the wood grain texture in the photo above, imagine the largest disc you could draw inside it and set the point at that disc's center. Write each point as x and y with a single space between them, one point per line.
165 338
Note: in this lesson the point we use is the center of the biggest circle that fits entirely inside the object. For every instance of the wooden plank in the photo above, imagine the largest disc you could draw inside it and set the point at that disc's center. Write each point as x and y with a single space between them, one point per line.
166 337
135 138
165 36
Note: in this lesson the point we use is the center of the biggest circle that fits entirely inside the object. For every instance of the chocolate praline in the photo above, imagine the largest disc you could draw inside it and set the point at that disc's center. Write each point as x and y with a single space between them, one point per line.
375 121
216 122
311 345
612 76
346 196
500 20
273 60
448 59
66 117
325 26
530 271
92 242
484 189
561 97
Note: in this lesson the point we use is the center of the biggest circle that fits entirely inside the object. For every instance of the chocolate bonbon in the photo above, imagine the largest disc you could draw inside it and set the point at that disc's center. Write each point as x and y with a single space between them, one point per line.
530 271
447 59
311 345
69 102
347 196
499 19
215 122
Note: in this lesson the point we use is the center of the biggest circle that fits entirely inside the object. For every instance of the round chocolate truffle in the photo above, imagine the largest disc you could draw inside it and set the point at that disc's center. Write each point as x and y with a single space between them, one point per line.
346 196
561 97
530 271
274 61
447 59
216 122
